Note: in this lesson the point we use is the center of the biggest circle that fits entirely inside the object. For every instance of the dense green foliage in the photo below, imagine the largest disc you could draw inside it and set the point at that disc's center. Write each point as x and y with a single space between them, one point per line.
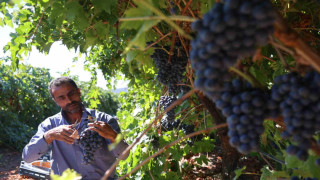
114 35
25 102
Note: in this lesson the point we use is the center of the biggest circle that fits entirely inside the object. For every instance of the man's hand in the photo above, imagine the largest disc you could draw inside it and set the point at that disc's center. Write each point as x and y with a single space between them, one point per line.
60 133
103 129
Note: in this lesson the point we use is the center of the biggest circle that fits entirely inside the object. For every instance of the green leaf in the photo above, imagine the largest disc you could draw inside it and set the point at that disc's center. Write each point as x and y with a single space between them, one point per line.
144 57
140 11
20 40
140 38
239 172
68 174
1 22
24 28
292 161
105 5
112 146
90 38
102 30
57 13
73 10
131 55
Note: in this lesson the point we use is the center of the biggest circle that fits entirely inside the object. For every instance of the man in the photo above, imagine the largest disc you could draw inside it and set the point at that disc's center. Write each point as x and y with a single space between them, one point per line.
58 129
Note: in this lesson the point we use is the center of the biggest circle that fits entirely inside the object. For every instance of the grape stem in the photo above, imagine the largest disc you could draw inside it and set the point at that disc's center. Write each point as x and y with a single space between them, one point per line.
171 144
127 150
247 77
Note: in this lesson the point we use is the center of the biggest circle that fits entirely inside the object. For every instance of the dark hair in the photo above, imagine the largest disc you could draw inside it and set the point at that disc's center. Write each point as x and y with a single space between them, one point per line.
61 81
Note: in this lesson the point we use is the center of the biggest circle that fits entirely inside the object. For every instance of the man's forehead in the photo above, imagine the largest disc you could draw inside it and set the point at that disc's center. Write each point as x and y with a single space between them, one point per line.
63 88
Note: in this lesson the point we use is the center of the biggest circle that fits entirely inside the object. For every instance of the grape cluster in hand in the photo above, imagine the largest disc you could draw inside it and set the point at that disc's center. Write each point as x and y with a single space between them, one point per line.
90 141
170 73
298 99
229 31
244 108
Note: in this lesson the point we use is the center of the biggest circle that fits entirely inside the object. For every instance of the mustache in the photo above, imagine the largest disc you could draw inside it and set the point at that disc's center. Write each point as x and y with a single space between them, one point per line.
72 103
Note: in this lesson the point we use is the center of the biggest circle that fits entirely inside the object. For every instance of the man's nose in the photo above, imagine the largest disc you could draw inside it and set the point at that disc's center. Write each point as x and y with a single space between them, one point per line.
68 99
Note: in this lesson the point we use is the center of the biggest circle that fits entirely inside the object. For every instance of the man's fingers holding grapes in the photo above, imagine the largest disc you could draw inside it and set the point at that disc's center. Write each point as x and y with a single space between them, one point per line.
60 133
103 129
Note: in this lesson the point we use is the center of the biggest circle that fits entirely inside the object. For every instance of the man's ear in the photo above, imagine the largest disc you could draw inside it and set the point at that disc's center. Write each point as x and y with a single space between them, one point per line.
79 91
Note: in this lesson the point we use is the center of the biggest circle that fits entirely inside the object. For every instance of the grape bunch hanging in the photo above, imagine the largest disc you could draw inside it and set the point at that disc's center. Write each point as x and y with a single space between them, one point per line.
168 122
230 30
170 73
298 99
244 108
90 141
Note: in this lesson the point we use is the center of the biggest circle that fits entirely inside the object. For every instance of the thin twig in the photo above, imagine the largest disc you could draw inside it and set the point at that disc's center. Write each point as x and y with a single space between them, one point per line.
282 47
266 161
187 5
35 30
171 144
184 45
127 150
265 57
284 62
151 175
158 40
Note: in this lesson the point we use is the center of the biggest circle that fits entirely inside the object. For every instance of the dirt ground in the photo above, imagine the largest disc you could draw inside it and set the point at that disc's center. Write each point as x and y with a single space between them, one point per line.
9 164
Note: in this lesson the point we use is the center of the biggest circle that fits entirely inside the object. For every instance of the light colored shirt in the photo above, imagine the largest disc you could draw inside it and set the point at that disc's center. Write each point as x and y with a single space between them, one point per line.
70 155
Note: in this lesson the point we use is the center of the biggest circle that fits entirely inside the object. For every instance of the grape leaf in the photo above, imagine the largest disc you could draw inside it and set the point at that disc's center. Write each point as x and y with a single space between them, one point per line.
105 5
73 9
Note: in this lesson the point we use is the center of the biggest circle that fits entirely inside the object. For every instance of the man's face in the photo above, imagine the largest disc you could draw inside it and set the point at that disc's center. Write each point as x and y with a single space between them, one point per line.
67 97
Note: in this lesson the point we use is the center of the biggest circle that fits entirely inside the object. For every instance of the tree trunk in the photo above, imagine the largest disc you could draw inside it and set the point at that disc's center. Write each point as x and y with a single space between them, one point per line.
230 155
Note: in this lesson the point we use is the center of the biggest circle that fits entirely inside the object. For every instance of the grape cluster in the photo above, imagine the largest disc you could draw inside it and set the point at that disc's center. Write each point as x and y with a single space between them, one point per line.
155 142
244 108
168 122
298 98
90 141
229 31
170 73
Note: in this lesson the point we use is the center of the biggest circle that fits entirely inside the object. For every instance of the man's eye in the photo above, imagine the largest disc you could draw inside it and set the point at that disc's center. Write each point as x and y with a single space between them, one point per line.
72 93
60 98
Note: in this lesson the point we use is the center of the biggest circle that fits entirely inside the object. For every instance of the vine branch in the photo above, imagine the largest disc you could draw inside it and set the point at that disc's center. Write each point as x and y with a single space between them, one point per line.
290 38
127 150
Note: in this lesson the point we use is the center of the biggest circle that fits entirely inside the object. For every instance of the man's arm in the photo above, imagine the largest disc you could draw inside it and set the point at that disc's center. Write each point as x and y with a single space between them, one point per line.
36 147
39 143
